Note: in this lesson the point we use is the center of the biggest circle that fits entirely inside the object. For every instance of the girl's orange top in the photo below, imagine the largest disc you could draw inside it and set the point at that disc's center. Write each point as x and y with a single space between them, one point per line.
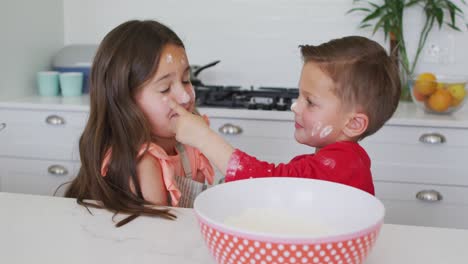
172 167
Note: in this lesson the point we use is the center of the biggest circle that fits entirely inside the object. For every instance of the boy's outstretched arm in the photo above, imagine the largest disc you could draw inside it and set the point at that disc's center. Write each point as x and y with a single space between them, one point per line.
192 130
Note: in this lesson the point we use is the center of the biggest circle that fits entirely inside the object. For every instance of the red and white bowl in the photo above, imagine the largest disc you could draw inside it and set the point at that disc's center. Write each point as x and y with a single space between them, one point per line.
288 220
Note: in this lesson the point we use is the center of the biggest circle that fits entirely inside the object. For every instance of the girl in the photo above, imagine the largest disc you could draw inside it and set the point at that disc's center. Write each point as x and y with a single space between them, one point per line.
129 157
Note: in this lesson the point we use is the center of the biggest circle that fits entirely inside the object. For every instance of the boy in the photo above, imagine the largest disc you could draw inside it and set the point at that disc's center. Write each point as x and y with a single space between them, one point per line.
349 87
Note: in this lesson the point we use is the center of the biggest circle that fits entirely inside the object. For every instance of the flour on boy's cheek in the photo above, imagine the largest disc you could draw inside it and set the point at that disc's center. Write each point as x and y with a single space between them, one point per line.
326 131
316 128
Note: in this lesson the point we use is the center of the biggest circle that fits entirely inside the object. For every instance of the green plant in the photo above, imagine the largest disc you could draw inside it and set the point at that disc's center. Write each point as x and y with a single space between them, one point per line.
388 16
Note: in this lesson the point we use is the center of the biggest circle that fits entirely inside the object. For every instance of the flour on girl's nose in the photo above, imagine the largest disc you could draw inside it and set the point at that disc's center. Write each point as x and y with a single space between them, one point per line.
326 131
184 98
316 128
169 58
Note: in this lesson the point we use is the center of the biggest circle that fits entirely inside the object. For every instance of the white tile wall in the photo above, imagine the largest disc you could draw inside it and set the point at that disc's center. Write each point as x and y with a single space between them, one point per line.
256 40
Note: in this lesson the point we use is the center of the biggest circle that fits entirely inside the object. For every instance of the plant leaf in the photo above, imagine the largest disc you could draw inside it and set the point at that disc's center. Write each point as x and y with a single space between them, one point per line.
412 2
365 25
373 15
358 9
439 14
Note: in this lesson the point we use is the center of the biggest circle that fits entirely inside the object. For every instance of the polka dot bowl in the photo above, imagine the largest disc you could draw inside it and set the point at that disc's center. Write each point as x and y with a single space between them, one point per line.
288 220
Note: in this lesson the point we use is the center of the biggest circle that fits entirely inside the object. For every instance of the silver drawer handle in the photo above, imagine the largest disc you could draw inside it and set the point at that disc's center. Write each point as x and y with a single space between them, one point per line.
57 170
55 120
2 126
230 129
429 196
432 138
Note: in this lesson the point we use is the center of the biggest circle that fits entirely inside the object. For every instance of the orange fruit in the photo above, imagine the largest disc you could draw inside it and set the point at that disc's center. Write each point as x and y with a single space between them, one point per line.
457 90
441 85
426 83
440 101
418 96
456 102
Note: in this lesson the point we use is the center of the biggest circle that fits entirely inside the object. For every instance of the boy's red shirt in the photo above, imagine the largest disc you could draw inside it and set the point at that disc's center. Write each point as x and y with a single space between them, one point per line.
343 162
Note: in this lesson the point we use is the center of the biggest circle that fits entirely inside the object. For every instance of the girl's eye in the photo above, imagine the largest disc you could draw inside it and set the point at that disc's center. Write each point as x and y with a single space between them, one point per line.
186 81
165 90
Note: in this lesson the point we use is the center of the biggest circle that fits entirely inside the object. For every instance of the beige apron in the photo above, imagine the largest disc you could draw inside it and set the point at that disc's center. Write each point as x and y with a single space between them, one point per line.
188 187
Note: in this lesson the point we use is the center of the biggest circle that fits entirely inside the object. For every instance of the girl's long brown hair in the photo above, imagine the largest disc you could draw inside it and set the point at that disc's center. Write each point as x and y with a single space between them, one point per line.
126 58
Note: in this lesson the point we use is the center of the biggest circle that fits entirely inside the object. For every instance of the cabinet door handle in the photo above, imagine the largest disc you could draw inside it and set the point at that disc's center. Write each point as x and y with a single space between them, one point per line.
57 170
2 126
432 138
55 120
429 196
230 129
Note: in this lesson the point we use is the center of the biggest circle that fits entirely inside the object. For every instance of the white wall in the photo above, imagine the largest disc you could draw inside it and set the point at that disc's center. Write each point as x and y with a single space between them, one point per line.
256 40
31 32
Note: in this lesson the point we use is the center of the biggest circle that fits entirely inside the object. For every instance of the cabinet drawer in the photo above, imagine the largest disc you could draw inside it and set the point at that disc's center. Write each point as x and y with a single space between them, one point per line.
271 141
402 135
397 154
254 128
35 176
402 206
41 134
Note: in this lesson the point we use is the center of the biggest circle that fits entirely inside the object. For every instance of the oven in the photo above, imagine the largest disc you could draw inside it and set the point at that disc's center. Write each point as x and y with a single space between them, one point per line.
263 98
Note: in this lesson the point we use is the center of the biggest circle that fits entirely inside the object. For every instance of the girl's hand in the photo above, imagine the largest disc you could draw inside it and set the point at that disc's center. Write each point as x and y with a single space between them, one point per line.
189 128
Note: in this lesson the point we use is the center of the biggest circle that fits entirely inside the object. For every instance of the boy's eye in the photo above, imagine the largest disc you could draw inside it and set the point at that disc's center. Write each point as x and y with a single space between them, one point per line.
186 81
165 90
309 102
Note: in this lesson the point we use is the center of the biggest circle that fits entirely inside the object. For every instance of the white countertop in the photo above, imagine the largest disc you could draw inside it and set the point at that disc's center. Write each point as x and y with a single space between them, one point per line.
43 229
407 113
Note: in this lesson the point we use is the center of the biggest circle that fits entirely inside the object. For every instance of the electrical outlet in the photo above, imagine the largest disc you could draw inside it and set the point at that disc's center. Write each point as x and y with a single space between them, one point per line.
443 52
432 53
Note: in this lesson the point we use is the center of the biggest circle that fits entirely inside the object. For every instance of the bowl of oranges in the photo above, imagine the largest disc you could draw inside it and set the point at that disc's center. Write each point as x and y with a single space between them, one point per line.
438 94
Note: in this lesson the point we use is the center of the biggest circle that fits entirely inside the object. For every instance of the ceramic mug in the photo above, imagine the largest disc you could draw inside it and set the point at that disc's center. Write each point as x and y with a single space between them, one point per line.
71 83
48 83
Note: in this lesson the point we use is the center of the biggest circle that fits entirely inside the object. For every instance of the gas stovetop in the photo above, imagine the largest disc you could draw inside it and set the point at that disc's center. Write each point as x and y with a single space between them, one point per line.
265 98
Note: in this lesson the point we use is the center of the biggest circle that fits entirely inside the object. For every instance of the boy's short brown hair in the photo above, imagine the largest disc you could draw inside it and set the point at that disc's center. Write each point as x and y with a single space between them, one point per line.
364 75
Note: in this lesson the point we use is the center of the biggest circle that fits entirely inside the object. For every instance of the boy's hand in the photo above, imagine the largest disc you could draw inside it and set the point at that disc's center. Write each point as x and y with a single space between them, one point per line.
189 128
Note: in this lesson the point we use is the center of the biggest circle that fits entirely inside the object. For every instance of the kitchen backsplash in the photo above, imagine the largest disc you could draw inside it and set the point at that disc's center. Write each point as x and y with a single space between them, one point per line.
256 40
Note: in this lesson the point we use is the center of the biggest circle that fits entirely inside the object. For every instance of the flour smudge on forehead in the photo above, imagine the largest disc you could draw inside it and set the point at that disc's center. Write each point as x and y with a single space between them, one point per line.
169 58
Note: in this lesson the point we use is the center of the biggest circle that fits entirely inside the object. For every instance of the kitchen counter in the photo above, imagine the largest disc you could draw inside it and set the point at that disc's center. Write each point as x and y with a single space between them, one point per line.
407 113
43 229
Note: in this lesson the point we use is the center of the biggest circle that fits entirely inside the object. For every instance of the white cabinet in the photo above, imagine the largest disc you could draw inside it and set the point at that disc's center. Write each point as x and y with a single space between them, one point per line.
420 174
39 147
36 176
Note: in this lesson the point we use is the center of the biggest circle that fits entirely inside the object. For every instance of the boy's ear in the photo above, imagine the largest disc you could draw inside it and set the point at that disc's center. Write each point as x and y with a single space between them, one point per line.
356 125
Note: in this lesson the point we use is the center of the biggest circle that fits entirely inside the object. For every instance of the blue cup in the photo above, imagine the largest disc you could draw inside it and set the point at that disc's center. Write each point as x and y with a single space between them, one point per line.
71 83
48 83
